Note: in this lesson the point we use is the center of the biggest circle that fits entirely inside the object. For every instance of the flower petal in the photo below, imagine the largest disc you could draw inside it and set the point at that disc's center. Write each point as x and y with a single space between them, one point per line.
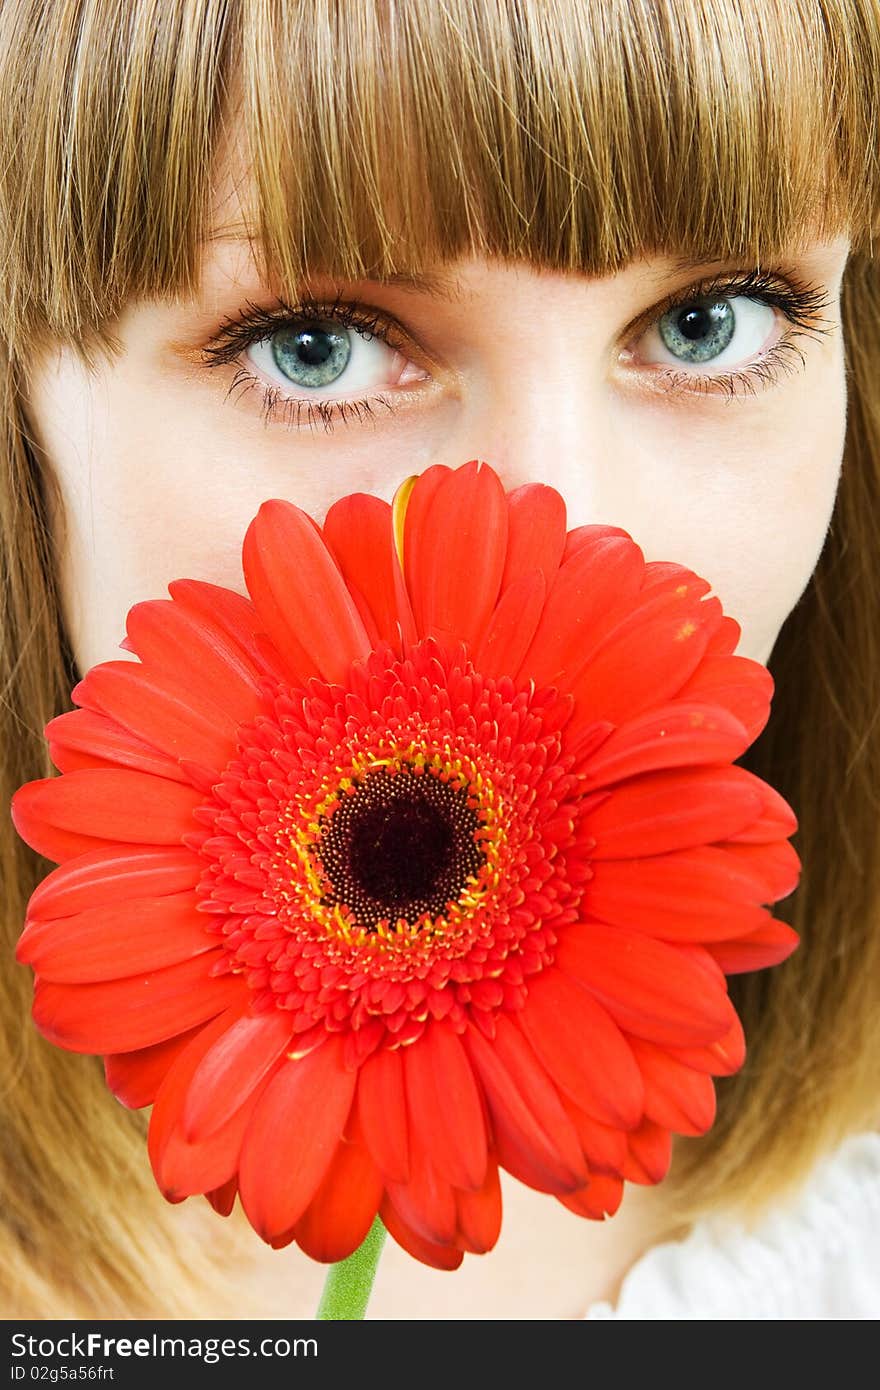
190 1169
292 1137
650 1154
113 803
124 1015
165 1115
182 1169
222 1198
339 1216
674 735
590 592
600 1198
427 1201
583 1049
409 507
172 640
382 1112
672 810
528 1119
112 941
720 1058
582 536
741 685
52 841
677 1097
299 593
510 629
776 821
228 612
535 533
235 1064
725 639
135 1077
426 1251
770 943
697 894
358 529
454 553
444 1105
775 865
651 989
642 663
604 1146
85 738
479 1214
159 708
665 574
113 872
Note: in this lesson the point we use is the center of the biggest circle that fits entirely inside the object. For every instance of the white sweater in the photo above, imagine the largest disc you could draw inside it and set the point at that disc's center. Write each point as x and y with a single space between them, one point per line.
816 1257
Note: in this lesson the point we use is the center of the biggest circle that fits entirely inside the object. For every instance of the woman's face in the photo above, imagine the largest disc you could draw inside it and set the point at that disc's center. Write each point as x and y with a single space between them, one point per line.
551 377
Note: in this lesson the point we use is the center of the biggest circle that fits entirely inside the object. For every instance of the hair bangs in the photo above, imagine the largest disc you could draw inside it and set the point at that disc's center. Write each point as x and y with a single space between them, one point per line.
577 138
378 139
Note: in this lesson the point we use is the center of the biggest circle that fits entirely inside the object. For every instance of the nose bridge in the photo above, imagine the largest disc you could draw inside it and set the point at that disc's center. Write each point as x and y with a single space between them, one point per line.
537 404
532 431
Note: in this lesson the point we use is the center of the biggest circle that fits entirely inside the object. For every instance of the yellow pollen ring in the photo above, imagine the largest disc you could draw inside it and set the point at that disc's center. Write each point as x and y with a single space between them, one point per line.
305 833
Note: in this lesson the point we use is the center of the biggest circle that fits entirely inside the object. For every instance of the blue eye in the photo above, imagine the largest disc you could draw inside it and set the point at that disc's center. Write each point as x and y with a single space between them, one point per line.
725 321
315 355
303 356
698 333
724 331
311 346
728 322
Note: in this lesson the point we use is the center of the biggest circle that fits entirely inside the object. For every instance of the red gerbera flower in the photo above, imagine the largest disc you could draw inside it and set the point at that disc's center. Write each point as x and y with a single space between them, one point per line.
392 874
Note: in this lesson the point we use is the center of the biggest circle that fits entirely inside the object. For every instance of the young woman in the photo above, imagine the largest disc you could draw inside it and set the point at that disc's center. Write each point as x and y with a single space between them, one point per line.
283 250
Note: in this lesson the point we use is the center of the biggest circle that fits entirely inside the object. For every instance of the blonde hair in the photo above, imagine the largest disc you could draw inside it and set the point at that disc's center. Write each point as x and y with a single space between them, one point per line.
383 138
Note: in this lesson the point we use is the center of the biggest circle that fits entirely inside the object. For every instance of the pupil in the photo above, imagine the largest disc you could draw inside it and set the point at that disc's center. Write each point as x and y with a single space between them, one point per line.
695 323
313 348
398 848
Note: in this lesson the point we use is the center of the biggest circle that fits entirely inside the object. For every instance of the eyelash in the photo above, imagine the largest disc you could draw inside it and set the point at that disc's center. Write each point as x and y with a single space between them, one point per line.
257 323
801 304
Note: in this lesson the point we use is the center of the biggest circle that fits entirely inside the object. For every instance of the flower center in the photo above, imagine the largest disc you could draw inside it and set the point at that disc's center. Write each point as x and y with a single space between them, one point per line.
401 845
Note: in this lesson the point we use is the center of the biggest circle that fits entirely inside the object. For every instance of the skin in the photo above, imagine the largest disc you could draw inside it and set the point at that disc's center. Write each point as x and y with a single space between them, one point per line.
160 471
160 476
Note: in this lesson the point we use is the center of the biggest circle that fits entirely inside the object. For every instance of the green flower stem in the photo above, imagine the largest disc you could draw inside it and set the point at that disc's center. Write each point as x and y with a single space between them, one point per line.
349 1283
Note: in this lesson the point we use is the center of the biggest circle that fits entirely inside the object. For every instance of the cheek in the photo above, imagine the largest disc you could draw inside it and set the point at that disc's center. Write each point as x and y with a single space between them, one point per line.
139 498
746 507
768 549
159 482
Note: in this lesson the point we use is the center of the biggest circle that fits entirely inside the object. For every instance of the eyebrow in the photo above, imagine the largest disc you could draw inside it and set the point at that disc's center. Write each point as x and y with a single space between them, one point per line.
682 263
439 285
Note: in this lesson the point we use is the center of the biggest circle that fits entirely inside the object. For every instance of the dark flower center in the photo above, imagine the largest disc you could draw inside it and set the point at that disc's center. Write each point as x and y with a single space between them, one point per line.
399 845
